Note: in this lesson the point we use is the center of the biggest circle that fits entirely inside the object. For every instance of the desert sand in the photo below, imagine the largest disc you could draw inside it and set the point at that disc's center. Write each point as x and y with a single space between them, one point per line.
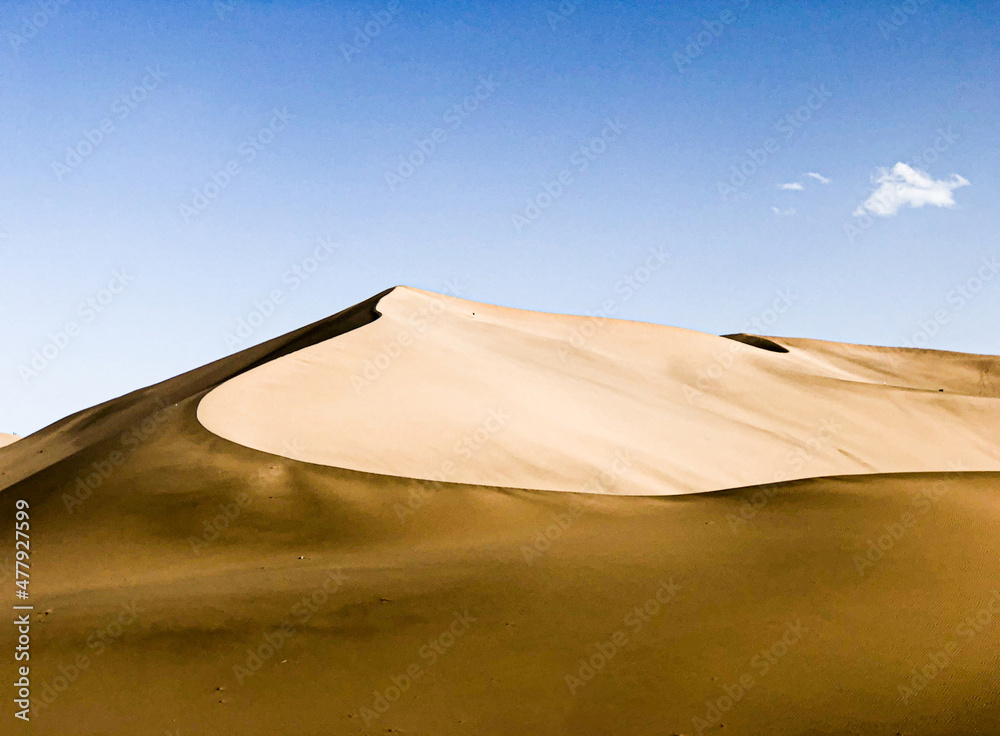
440 388
192 575
6 439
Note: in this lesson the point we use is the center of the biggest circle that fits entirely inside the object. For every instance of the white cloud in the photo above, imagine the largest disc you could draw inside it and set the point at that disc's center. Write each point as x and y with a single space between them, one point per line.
818 177
793 186
782 213
903 185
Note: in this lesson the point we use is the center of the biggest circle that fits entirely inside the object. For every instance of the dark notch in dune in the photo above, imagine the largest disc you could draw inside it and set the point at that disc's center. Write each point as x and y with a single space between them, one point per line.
758 342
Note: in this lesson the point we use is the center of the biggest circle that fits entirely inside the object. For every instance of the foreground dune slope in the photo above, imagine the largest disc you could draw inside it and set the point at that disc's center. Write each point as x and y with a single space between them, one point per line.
446 389
184 583
213 589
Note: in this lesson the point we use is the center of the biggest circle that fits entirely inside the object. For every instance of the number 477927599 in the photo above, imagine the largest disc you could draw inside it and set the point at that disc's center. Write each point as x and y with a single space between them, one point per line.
22 547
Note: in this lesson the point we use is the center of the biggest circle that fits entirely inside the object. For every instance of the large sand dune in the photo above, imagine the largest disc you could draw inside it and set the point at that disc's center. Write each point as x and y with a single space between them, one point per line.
446 389
184 583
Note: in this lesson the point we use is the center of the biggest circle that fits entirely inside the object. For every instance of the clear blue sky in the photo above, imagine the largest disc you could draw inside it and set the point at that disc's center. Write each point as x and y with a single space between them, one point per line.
116 117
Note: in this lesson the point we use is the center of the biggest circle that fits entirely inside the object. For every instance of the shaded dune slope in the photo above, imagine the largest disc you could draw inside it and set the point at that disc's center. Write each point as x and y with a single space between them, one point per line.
548 578
758 342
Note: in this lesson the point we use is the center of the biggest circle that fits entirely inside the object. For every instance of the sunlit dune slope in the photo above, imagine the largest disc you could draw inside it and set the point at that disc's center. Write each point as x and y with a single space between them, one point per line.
443 388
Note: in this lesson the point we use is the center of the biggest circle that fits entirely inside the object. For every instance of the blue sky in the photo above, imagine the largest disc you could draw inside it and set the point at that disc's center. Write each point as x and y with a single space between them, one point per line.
168 166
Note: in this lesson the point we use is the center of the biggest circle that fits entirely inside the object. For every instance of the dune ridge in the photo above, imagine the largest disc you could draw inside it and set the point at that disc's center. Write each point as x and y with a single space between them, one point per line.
191 584
78 431
440 388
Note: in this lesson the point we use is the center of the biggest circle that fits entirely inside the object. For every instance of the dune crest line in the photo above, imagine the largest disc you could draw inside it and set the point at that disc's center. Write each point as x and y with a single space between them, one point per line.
411 395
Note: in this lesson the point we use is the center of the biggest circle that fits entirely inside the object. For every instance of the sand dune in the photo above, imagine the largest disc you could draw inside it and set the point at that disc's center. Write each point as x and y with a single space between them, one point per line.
549 578
6 439
446 389
184 583
129 413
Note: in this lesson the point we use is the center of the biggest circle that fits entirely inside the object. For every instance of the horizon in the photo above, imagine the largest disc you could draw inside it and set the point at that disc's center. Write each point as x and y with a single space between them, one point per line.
170 167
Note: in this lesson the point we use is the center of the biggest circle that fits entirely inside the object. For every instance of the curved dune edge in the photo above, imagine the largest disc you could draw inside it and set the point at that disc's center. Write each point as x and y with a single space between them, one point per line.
746 572
115 418
445 389
8 439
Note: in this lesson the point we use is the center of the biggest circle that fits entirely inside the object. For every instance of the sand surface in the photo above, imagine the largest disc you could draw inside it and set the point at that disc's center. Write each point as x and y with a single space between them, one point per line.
441 388
184 583
6 439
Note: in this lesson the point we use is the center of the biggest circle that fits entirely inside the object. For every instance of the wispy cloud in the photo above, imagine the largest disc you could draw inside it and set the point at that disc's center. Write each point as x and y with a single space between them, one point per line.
782 213
818 177
903 185
793 186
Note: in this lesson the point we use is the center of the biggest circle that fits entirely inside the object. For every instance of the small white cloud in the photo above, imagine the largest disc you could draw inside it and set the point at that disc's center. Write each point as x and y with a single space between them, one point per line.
782 213
903 185
793 186
818 177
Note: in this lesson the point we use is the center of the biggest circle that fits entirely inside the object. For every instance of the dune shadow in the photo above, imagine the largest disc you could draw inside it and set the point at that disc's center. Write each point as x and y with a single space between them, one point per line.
758 342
